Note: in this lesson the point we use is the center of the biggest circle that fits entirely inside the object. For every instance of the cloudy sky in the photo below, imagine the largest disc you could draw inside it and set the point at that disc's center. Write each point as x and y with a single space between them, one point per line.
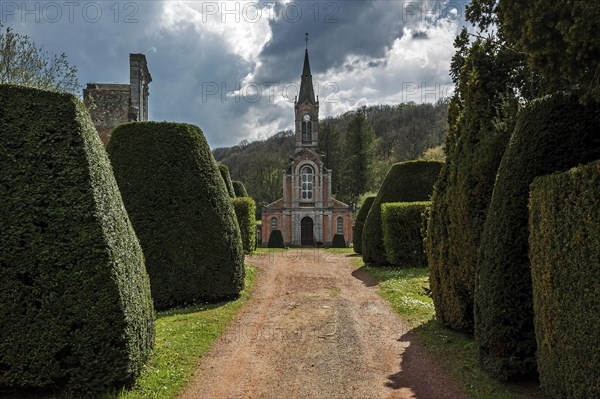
233 67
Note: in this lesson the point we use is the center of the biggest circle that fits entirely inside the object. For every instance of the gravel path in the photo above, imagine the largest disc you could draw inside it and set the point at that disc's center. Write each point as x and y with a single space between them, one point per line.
316 328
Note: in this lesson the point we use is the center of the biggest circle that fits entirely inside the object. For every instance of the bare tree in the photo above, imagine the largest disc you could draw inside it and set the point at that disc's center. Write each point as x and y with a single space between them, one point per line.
23 63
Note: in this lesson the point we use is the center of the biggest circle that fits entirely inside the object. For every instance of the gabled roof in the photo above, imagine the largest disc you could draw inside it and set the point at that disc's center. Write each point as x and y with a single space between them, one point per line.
338 204
307 153
276 204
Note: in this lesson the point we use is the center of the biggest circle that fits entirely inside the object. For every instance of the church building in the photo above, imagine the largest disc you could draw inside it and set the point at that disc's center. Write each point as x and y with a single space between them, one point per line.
307 214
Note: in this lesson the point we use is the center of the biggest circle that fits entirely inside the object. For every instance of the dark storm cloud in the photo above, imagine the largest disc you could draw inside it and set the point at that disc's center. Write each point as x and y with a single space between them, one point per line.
94 34
182 65
337 29
341 28
189 59
376 63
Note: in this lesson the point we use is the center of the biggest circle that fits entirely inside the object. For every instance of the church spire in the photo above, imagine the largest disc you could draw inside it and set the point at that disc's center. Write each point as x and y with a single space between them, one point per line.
307 92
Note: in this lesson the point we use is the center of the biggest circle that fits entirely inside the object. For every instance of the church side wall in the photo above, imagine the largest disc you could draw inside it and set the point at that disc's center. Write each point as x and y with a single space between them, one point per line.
264 230
288 228
266 224
347 216
326 189
348 227
287 191
326 229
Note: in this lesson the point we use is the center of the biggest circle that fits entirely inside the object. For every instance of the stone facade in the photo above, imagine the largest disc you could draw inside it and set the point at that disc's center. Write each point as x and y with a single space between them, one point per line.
112 104
307 214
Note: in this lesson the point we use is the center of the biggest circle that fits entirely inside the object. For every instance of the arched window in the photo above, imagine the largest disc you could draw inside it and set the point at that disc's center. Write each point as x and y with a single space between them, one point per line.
307 175
340 225
306 129
274 225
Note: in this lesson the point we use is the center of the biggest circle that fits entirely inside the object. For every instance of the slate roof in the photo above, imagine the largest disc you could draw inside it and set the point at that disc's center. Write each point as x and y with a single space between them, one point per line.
307 92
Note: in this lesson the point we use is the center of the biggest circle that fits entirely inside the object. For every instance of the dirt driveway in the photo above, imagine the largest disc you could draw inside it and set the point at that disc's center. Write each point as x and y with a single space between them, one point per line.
316 328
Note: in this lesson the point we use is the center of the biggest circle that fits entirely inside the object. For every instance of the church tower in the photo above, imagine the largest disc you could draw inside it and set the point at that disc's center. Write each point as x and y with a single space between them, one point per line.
306 110
307 214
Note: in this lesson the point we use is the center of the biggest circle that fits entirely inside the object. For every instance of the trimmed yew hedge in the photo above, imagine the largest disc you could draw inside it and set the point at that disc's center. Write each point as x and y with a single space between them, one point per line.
564 249
239 189
475 145
401 223
276 239
245 212
75 305
338 241
224 170
181 211
553 133
359 223
405 182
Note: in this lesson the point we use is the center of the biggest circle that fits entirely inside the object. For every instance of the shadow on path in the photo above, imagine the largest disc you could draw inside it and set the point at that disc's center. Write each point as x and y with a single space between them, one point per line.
421 375
364 276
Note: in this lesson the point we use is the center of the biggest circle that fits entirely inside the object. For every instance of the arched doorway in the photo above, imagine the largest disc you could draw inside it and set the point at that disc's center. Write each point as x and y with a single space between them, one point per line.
306 231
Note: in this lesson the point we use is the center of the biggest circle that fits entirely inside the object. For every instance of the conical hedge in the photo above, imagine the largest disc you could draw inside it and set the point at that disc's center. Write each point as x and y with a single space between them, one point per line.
239 189
245 212
276 239
227 179
474 147
552 133
75 305
405 182
181 211
359 223
338 241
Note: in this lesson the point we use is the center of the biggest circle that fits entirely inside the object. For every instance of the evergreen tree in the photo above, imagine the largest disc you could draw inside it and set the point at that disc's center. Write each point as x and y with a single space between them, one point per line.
329 144
358 151
559 38
482 110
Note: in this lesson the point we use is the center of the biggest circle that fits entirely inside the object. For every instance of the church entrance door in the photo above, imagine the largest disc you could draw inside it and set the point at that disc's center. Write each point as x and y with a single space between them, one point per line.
306 228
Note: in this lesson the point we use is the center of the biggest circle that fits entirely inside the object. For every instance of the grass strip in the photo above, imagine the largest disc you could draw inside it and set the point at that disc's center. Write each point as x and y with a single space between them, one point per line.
407 290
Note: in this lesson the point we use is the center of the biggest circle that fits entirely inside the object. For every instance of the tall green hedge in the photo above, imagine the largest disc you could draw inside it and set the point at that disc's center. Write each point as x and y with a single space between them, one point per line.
359 223
75 305
405 182
181 211
245 212
276 239
239 189
553 133
564 249
474 146
224 170
401 223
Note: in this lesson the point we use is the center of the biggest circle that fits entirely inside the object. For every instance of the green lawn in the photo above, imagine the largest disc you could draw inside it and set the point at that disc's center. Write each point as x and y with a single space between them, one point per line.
408 292
261 251
182 337
340 250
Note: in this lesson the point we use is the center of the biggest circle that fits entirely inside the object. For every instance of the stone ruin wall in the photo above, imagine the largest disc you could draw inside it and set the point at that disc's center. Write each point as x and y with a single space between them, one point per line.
112 104
108 106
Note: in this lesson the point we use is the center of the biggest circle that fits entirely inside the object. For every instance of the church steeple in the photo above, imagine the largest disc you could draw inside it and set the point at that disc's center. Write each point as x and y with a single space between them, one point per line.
306 109
307 91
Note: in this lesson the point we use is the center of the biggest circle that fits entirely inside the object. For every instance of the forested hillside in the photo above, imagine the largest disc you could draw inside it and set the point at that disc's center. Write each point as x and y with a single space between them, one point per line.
359 146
